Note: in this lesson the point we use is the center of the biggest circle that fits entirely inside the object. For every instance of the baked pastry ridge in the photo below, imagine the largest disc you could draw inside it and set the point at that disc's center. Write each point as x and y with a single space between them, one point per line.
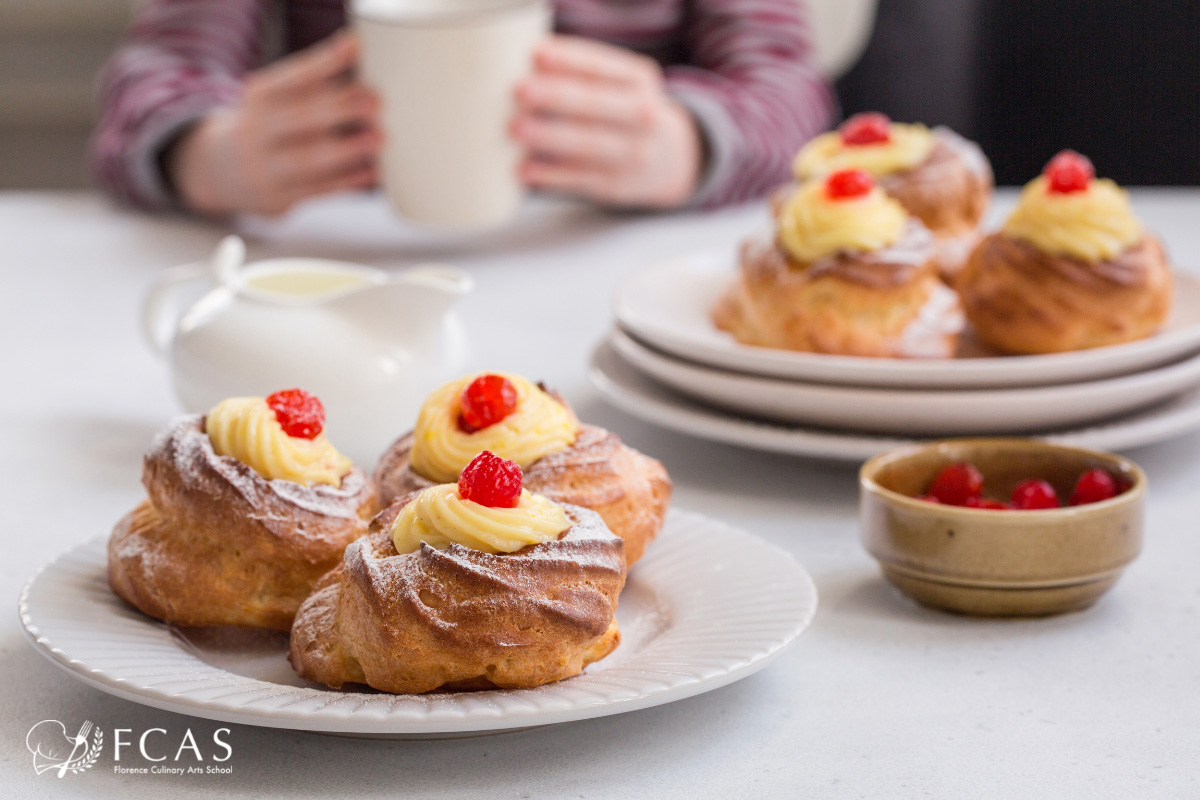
218 543
848 272
423 617
585 465
1071 269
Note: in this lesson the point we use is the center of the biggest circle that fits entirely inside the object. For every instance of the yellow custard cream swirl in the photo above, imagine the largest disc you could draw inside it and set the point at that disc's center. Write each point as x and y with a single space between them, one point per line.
438 516
1094 225
539 426
245 428
812 226
908 146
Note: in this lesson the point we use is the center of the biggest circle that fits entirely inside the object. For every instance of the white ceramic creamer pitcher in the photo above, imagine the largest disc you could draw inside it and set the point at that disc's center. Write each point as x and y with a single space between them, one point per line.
370 344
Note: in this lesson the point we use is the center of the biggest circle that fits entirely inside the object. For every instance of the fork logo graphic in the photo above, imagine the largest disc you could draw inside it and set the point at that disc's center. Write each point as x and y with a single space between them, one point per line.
54 750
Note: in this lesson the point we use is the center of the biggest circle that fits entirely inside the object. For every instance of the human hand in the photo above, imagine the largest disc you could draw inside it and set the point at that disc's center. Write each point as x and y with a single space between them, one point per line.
304 127
596 121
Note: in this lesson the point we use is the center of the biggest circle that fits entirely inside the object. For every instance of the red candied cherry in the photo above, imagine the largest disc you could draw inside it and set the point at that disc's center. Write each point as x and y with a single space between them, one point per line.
987 504
956 484
1034 495
300 414
1094 486
869 128
1069 172
491 481
846 184
487 400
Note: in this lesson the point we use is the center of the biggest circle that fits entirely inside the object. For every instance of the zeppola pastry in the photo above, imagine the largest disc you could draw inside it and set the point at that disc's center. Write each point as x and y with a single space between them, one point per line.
248 506
849 272
937 175
568 462
1071 269
473 585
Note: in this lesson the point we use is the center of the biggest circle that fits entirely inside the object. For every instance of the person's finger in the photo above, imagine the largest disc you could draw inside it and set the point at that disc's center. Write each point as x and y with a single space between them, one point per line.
574 142
331 156
307 69
282 200
585 181
596 60
337 108
314 160
570 96
357 179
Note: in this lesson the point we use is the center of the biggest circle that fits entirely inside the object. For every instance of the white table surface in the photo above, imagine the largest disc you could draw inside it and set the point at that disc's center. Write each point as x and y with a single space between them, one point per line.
879 699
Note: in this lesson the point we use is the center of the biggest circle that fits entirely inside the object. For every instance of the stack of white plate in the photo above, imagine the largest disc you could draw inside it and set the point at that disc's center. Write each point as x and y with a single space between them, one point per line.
666 362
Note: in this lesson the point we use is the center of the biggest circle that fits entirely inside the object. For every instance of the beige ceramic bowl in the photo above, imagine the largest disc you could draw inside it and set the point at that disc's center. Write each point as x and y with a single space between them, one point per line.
999 563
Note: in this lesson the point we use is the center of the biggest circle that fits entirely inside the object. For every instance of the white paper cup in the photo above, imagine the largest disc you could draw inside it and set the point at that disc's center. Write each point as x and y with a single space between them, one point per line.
446 71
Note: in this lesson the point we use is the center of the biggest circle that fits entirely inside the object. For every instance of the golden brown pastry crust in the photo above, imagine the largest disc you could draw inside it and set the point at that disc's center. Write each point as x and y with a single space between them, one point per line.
1022 300
215 543
888 304
629 490
460 618
949 191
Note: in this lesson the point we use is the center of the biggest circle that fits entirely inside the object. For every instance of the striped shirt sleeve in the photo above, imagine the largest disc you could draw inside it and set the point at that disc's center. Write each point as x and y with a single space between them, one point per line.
753 87
182 59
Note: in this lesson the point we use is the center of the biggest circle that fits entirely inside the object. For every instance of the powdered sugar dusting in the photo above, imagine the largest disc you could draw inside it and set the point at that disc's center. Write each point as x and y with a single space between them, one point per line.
953 251
927 335
186 446
593 447
586 558
968 151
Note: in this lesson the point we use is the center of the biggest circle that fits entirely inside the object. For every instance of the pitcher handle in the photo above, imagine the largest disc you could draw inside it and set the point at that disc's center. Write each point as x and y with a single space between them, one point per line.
160 315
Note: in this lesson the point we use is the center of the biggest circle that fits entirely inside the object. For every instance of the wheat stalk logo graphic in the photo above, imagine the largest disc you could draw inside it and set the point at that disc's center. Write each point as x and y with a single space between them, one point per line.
54 749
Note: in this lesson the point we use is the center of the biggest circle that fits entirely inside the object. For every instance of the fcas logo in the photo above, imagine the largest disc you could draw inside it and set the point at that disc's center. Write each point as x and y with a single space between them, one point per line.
55 750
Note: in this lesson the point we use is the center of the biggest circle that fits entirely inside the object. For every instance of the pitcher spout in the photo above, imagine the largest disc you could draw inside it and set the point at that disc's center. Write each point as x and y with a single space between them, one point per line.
409 306
451 282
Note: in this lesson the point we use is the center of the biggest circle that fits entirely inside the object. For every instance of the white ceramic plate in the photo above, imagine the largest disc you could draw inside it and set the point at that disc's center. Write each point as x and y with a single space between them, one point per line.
929 412
635 393
669 306
690 622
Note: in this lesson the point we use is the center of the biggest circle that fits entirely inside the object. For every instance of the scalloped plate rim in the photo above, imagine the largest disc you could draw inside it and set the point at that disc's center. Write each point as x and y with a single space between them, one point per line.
520 717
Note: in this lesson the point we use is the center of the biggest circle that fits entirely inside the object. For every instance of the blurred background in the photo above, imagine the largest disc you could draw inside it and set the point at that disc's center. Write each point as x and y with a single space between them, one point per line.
1116 79
50 52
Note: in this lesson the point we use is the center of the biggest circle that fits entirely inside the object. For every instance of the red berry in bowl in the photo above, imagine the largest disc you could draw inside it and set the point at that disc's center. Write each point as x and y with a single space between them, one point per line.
491 481
487 400
846 184
1034 495
927 498
1094 486
956 484
987 504
869 128
1069 172
300 414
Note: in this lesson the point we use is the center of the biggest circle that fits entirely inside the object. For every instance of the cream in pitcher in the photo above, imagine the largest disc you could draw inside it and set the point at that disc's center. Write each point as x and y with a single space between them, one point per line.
446 71
371 343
